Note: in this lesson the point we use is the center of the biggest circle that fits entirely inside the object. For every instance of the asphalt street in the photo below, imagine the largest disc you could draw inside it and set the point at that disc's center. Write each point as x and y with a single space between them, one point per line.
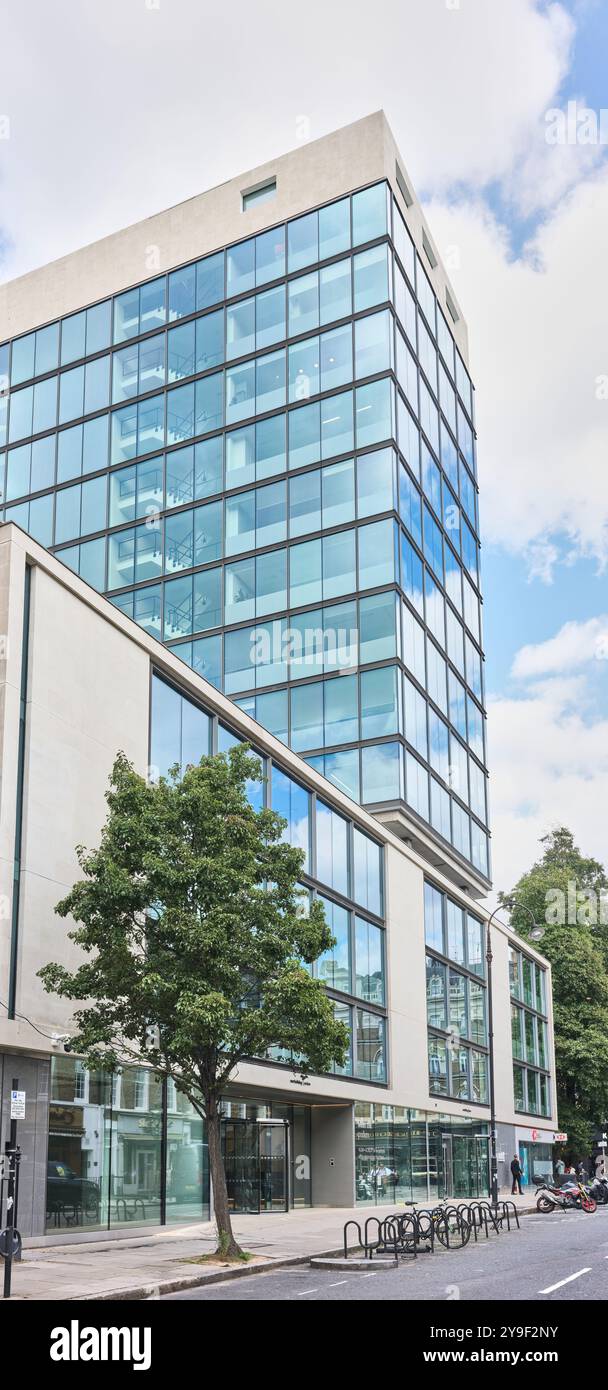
557 1257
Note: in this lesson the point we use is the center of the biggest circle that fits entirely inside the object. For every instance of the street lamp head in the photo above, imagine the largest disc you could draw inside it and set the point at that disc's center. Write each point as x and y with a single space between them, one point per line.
537 933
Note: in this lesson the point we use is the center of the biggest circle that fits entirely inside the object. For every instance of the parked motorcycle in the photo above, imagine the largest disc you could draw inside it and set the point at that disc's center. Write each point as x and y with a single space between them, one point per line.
572 1195
598 1189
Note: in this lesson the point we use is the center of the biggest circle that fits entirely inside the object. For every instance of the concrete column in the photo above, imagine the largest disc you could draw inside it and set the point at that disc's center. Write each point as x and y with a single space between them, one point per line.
32 1135
333 1155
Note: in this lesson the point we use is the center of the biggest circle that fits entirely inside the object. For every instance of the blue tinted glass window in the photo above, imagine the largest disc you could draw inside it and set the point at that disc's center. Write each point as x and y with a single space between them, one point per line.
369 961
303 304
376 554
41 519
336 358
367 864
374 413
307 716
338 493
45 405
240 457
341 710
240 392
371 277
73 338
126 316
182 292
305 435
292 803
369 214
270 317
239 602
99 326
381 778
43 463
373 344
22 359
207 599
337 425
377 637
241 267
332 848
334 229
335 291
47 349
210 281
20 418
375 473
97 385
270 446
269 255
379 702
303 241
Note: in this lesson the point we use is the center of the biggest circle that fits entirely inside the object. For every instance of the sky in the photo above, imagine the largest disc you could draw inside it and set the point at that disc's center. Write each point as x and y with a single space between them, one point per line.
112 111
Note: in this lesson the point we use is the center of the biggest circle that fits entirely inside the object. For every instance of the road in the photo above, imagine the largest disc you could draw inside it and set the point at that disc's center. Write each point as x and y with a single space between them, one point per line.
558 1257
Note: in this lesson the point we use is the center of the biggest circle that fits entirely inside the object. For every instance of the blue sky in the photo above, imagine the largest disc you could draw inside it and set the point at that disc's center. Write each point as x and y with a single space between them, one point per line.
124 114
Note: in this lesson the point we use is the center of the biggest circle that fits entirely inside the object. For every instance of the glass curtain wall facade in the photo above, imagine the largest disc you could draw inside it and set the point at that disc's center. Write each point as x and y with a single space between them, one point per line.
531 1079
456 999
123 1149
411 1156
267 459
343 867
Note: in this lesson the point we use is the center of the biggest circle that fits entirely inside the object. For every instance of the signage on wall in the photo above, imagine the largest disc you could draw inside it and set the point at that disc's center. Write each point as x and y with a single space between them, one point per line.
560 1138
17 1105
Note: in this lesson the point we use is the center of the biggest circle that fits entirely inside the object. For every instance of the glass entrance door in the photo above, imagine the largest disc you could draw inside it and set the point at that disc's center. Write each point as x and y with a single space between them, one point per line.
241 1164
255 1158
272 1146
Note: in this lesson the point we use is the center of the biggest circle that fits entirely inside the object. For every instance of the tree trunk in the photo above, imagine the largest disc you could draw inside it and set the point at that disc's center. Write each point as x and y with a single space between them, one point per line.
226 1243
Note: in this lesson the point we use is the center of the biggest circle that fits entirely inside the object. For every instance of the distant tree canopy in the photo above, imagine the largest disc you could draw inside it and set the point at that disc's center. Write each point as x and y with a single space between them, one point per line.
567 894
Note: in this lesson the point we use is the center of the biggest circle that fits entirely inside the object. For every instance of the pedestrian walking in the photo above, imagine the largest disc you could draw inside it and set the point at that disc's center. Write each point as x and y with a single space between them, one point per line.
516 1174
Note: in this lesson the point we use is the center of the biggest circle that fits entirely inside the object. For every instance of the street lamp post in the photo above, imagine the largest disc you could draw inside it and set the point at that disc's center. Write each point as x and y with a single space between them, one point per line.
536 934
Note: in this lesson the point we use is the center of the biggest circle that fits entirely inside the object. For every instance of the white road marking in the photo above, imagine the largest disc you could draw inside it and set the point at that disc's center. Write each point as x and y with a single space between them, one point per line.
338 1282
303 1291
561 1282
372 1276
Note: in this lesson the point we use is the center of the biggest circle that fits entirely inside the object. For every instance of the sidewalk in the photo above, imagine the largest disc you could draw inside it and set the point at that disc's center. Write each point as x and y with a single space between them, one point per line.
145 1266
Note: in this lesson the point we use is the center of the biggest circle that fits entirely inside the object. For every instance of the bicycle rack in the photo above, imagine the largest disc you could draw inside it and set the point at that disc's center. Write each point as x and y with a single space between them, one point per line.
404 1233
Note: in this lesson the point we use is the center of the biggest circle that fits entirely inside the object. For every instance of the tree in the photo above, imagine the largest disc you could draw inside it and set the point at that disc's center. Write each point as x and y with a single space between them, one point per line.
566 893
196 942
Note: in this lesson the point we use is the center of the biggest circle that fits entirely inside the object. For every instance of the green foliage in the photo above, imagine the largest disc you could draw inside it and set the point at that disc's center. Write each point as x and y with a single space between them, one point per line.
194 942
190 919
578 951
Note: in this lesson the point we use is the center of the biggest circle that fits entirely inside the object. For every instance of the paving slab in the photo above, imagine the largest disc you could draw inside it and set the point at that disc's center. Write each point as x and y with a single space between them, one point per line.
146 1265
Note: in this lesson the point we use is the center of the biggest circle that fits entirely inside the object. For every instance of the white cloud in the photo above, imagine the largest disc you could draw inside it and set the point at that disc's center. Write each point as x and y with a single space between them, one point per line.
549 767
131 107
575 645
539 355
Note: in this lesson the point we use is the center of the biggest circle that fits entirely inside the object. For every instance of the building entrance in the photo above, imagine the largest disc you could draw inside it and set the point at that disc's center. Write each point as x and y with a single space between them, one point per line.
256 1156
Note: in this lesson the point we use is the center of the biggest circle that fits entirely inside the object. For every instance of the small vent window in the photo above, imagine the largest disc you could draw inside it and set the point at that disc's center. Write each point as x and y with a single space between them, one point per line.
452 310
402 186
430 254
261 194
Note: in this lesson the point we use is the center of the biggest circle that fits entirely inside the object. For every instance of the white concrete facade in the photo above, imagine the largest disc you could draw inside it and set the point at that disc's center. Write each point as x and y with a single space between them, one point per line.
313 173
87 696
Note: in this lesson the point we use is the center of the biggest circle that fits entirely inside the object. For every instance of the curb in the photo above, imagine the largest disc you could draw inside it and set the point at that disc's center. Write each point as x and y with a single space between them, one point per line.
142 1292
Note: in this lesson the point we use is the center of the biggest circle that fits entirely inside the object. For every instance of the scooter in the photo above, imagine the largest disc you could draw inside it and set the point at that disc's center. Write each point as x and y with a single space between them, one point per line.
598 1188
